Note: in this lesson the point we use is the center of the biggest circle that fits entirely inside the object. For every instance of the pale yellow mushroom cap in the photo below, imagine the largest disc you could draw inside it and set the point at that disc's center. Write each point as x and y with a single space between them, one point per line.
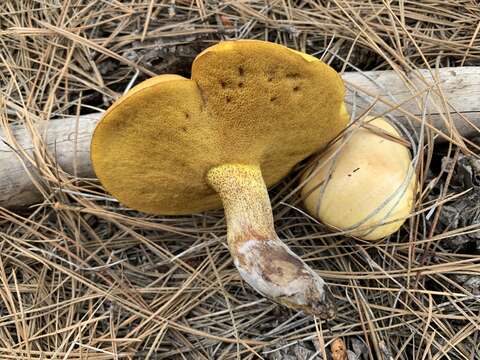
372 181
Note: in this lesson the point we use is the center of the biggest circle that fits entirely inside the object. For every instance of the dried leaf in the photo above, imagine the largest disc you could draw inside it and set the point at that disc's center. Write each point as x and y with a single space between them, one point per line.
339 350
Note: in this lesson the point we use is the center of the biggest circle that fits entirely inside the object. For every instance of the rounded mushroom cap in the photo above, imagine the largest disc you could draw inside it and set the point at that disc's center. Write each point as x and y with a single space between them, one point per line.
248 102
370 181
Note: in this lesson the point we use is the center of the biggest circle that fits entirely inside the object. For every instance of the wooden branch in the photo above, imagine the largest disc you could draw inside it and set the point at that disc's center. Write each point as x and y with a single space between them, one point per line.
449 96
67 141
450 93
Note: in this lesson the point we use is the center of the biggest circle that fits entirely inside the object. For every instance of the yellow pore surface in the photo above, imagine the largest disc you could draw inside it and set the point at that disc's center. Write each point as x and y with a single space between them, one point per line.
369 184
248 102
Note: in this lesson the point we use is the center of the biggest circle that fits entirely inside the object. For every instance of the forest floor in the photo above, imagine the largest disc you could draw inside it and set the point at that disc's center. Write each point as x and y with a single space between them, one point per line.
82 277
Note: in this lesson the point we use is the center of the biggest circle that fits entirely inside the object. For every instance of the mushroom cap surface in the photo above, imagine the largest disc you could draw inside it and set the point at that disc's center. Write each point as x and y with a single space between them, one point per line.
248 102
370 181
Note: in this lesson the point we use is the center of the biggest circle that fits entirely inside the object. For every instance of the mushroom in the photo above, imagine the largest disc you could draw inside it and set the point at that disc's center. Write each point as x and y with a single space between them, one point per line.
250 112
365 185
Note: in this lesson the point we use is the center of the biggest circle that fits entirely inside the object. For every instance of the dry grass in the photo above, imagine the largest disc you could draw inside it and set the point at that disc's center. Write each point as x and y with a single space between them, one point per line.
83 278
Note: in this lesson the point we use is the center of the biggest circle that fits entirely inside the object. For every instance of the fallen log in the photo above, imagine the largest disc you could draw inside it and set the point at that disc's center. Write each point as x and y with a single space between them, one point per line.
445 102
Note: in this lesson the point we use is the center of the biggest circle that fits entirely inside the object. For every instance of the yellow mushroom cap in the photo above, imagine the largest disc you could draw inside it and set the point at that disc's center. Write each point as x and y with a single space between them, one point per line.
371 182
248 102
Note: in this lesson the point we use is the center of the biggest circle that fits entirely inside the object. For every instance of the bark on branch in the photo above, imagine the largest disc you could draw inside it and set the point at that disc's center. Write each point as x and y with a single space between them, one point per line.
451 96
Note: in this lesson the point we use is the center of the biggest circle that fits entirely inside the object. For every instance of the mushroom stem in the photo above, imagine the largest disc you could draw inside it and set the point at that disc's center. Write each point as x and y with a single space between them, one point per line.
262 259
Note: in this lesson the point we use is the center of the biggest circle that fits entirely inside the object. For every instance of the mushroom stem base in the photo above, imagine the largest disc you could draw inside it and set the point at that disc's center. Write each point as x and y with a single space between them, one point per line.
262 259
